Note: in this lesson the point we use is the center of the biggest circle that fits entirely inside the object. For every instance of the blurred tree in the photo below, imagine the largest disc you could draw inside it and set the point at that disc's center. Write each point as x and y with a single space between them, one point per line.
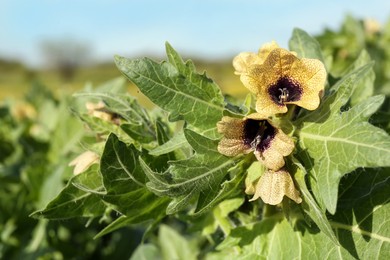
66 56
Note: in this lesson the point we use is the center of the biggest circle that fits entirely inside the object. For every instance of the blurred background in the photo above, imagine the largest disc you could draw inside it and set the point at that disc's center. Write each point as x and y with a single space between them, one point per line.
65 44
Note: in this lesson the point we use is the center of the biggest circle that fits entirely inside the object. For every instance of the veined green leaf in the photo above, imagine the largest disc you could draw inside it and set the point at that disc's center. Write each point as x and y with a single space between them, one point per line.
362 219
334 143
176 87
361 226
275 238
176 142
125 180
365 86
73 202
311 207
185 179
305 45
151 211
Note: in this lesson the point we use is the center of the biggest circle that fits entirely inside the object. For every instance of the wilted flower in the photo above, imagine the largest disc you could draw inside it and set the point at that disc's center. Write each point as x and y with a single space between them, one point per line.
242 136
278 77
273 186
84 161
100 110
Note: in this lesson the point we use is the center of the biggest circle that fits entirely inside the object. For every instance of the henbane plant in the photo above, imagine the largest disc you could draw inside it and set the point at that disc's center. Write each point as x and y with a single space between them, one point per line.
203 161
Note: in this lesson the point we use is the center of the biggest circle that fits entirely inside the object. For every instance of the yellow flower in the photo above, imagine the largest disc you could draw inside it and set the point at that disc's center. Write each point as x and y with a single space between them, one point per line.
278 77
273 186
242 136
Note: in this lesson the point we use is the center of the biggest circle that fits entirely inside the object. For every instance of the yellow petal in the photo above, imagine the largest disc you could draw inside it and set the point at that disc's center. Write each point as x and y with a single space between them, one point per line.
273 186
311 75
307 75
266 107
244 60
280 146
266 49
232 143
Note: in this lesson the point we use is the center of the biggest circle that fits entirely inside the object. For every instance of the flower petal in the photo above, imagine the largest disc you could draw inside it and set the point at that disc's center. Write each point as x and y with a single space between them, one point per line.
311 75
244 60
266 107
280 145
232 143
273 186
266 49
284 79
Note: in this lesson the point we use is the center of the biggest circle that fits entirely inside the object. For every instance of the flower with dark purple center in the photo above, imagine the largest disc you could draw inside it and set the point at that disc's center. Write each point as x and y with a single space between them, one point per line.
260 136
278 77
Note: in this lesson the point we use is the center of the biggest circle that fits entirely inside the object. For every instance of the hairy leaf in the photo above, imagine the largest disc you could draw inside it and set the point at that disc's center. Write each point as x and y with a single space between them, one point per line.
334 143
124 181
305 45
185 179
176 87
74 202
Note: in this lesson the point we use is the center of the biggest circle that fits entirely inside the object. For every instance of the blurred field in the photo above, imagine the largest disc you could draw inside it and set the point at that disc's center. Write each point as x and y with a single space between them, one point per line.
16 79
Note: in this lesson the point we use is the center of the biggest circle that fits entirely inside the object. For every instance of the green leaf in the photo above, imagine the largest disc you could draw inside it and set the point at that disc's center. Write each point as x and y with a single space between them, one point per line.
174 246
124 181
365 86
151 212
362 220
200 174
305 45
229 188
334 143
176 142
361 226
73 202
146 252
220 216
311 207
176 87
274 238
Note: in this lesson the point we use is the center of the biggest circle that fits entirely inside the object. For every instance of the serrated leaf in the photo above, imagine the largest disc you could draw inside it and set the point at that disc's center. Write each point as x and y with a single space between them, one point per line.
310 206
365 86
124 181
122 104
362 219
334 143
185 179
176 142
73 202
274 238
305 45
152 211
176 87
361 225
229 188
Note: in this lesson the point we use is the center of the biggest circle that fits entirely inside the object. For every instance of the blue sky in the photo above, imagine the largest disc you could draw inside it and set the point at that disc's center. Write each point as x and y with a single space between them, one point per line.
209 29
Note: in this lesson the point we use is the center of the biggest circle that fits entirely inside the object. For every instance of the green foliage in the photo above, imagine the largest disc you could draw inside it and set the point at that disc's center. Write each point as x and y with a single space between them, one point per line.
161 184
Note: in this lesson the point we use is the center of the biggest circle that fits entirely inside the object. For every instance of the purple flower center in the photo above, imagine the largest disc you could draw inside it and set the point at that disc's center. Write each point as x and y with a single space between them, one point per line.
258 134
285 90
